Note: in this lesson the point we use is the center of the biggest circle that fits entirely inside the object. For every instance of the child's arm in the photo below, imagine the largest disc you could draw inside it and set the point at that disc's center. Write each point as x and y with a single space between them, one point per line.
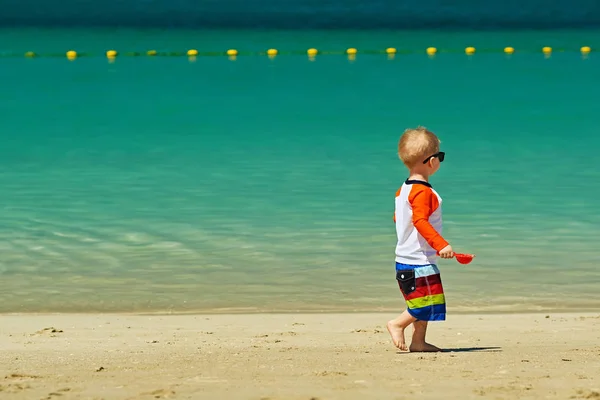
424 203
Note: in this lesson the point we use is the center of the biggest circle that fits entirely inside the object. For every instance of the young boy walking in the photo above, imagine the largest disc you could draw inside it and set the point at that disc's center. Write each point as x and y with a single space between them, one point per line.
418 219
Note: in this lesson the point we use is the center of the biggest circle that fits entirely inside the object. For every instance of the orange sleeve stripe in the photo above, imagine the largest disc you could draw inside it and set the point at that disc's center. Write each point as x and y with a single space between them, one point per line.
397 194
424 203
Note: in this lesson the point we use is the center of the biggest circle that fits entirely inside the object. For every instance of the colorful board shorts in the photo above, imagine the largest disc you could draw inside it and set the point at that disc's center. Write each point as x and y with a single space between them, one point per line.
422 288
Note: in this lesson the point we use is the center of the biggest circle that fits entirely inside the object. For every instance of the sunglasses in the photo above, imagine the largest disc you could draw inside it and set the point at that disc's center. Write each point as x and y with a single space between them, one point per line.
440 155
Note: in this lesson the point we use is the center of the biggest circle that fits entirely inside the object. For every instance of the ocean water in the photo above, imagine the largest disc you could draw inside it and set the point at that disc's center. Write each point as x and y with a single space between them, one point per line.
160 184
304 14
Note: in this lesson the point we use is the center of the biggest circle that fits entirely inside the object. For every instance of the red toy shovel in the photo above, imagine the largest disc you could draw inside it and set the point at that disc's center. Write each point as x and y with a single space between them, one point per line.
464 258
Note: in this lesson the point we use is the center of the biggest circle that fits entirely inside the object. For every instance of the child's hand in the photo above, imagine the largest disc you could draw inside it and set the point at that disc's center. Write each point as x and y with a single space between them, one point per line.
446 252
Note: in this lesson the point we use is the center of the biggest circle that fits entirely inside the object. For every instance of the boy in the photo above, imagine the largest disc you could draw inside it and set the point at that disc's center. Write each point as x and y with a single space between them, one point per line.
418 219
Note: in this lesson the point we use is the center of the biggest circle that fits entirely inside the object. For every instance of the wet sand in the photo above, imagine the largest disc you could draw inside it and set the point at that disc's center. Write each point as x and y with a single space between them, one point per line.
296 356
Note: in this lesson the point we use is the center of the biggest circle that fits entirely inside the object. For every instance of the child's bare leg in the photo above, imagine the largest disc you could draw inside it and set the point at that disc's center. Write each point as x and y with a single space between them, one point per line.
418 343
396 329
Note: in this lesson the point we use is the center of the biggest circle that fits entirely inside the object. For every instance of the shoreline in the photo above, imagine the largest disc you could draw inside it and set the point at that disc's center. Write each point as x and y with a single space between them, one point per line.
296 356
578 311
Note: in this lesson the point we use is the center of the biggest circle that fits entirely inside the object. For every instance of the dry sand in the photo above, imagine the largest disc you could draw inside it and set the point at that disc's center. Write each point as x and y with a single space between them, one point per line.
296 356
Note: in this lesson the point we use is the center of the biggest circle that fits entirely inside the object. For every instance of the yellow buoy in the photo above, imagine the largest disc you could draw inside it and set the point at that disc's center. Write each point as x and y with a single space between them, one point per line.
272 52
312 52
351 51
151 52
547 50
192 53
470 50
232 52
71 54
431 51
586 50
509 50
111 53
390 50
30 54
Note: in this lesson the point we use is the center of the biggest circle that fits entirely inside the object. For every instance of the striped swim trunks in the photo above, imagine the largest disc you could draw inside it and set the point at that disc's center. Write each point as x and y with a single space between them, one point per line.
422 288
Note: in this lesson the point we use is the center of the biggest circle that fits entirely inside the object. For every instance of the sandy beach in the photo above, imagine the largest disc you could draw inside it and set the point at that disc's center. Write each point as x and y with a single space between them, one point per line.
296 356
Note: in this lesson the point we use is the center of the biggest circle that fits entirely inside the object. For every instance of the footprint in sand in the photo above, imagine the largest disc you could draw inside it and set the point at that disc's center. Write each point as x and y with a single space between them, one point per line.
16 383
48 331
21 377
14 387
586 394
367 331
58 393
160 394
331 373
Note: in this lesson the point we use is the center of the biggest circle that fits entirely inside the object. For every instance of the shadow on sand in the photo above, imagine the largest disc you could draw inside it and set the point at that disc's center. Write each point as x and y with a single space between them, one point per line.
472 349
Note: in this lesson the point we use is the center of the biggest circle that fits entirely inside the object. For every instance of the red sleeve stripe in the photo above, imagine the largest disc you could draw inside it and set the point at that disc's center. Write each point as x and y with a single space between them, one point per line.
424 203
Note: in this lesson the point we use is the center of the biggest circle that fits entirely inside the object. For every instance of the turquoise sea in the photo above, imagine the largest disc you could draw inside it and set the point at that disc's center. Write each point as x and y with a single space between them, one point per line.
162 184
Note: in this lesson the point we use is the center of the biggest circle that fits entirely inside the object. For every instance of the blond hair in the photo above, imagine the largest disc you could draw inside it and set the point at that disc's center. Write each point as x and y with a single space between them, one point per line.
416 144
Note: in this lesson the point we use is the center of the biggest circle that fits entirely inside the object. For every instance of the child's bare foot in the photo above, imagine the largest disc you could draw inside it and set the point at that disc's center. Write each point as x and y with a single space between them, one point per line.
423 348
397 333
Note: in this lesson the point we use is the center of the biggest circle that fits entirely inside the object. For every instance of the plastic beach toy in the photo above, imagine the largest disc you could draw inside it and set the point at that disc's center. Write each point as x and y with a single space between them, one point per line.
464 258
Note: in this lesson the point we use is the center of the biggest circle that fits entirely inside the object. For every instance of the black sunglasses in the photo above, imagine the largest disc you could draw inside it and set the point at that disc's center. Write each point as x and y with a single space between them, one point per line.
440 155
